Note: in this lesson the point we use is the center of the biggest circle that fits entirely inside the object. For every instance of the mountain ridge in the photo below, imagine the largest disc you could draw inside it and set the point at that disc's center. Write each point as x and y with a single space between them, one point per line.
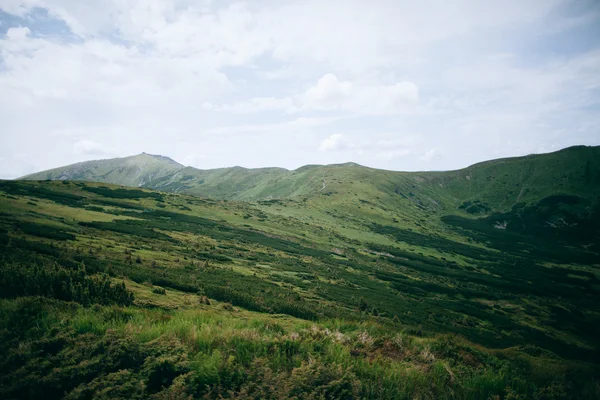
346 164
501 183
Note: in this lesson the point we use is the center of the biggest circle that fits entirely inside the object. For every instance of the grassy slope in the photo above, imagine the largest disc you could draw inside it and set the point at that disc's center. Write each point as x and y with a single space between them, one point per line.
505 182
424 267
229 183
499 183
129 171
313 258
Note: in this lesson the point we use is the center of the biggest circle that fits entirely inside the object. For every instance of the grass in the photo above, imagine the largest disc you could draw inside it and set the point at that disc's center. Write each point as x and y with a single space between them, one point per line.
393 296
241 348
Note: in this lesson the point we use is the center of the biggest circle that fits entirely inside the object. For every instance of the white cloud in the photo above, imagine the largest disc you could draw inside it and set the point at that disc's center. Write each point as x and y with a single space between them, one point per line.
356 37
333 143
430 155
331 94
471 79
258 104
387 148
89 147
302 124
17 33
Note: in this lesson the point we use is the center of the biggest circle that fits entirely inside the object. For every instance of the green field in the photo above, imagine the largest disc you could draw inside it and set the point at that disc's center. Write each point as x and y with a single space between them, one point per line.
324 282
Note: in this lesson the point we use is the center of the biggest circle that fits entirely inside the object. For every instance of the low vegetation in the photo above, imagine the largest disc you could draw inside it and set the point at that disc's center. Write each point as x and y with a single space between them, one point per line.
110 292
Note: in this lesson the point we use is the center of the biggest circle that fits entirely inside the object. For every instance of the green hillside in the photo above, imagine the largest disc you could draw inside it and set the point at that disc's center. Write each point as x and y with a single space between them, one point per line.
336 281
499 184
374 287
134 171
505 182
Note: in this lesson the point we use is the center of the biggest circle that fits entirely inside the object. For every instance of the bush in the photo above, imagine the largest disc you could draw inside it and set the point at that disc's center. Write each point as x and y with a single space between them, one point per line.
159 290
45 231
57 282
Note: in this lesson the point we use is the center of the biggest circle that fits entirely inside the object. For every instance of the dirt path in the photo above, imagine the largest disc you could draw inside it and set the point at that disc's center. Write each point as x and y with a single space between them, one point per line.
323 186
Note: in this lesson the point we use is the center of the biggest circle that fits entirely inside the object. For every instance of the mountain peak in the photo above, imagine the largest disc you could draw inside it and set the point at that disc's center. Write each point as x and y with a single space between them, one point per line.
136 170
158 157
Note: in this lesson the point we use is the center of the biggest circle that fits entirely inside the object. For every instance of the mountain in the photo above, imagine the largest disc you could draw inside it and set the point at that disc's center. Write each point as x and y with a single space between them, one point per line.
134 171
553 196
335 281
499 184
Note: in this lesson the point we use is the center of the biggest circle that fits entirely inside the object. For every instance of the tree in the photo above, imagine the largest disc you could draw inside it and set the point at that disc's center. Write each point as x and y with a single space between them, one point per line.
362 304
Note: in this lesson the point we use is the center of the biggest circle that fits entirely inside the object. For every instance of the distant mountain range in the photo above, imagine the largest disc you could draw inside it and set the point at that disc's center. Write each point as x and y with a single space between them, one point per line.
499 184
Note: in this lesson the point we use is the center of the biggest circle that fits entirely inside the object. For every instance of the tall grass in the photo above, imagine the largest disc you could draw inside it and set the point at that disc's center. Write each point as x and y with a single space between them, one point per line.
384 364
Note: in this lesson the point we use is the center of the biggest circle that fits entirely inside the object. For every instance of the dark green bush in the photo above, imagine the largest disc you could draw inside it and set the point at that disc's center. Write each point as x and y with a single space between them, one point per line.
159 290
45 231
55 281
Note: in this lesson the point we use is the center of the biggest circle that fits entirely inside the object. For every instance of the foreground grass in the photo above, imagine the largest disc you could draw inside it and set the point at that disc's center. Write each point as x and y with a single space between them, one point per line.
55 349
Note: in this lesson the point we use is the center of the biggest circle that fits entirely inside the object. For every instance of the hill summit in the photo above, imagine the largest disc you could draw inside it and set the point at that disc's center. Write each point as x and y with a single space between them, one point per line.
136 170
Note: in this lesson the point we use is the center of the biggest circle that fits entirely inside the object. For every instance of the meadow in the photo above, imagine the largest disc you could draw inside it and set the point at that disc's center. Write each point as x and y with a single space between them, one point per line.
114 292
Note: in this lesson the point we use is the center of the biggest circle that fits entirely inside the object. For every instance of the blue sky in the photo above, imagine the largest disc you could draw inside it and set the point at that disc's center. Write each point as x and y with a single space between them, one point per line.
400 85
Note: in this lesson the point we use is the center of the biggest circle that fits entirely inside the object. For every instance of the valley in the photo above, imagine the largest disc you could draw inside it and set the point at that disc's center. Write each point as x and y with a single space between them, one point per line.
139 277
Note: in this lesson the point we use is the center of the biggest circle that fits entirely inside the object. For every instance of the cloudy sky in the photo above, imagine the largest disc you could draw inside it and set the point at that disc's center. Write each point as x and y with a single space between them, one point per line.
401 85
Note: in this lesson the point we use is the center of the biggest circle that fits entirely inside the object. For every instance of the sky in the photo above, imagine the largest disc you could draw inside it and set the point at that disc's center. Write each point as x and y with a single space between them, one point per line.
400 85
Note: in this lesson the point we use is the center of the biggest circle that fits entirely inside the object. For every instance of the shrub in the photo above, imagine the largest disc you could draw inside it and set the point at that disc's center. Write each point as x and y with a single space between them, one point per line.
45 231
159 290
61 283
